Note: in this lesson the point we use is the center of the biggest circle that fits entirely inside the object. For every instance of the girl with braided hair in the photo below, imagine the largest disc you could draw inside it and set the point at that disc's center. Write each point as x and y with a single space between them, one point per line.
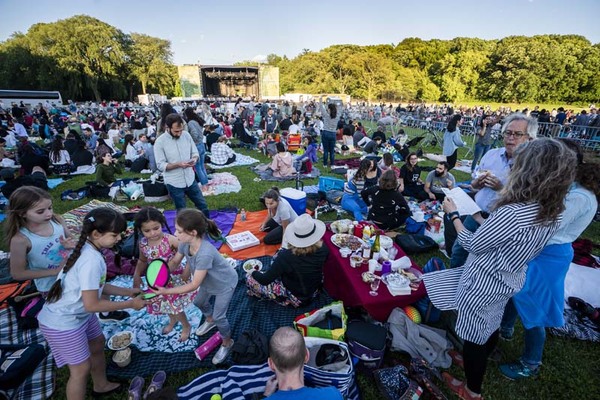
68 319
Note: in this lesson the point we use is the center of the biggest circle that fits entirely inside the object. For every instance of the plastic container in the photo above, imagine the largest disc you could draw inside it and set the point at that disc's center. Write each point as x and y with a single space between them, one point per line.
296 198
207 347
122 357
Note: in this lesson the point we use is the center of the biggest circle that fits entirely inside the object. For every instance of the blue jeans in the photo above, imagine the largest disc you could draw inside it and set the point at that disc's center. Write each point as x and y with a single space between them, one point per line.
194 194
480 150
200 169
535 338
355 205
459 255
328 140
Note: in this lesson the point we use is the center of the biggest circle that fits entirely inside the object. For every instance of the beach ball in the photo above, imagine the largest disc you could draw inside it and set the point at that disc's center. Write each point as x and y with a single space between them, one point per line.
157 273
413 314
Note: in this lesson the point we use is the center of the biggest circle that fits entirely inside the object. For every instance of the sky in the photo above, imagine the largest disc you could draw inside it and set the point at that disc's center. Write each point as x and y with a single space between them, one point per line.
224 32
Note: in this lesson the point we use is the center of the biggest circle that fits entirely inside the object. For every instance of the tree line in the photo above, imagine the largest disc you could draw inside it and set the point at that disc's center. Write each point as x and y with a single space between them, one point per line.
86 58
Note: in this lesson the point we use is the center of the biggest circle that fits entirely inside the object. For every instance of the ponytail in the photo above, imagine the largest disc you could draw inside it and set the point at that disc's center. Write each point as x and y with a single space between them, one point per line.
55 292
190 219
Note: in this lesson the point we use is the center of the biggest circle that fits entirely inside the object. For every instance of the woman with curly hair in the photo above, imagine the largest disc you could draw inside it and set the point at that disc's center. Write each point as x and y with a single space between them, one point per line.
526 215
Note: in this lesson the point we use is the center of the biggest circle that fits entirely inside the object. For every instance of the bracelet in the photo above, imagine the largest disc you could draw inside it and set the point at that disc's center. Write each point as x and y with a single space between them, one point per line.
454 218
453 214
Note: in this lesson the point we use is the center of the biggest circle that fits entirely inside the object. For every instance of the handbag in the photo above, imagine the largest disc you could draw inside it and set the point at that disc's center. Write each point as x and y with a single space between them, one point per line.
323 322
394 384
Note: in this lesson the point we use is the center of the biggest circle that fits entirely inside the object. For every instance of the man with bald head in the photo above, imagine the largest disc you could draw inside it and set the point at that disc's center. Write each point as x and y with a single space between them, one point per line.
287 356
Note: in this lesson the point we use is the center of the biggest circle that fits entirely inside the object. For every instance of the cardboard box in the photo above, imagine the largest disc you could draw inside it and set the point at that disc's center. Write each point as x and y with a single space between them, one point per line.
242 240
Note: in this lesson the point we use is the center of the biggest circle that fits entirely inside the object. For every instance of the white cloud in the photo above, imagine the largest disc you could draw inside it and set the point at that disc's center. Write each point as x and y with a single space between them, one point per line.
259 58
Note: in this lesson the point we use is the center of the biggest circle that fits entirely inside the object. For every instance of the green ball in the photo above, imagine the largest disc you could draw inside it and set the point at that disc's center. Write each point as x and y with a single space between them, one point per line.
215 396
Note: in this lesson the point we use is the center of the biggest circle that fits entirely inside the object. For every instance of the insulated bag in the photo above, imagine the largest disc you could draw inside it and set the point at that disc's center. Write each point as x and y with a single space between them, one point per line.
367 343
414 244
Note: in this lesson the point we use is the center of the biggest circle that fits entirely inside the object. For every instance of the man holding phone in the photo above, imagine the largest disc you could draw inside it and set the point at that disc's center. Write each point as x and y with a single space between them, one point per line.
176 156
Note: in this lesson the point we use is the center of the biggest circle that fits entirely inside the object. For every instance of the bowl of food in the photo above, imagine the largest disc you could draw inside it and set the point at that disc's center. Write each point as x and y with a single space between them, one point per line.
122 357
252 265
121 340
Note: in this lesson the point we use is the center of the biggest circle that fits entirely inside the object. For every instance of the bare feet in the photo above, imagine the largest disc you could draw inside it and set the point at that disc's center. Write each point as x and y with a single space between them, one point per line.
169 328
185 333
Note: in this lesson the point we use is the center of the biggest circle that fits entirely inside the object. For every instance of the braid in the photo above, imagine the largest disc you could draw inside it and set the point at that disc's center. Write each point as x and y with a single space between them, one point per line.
55 291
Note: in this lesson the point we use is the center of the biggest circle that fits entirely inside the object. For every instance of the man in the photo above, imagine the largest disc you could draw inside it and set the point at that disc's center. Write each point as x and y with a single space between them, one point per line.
437 180
379 133
37 178
91 139
176 155
18 129
287 356
493 175
372 147
270 123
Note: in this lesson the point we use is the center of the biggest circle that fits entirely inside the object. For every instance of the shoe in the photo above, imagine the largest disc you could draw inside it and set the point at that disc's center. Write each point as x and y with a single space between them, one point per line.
99 395
518 370
584 308
222 354
459 388
157 382
506 336
114 316
205 328
457 358
135 388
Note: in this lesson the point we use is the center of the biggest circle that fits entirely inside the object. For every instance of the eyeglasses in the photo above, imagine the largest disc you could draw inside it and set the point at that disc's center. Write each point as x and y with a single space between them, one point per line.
514 134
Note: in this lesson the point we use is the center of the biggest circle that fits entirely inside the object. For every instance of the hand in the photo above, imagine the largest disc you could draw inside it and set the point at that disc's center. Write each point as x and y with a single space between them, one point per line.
492 182
449 205
67 243
271 386
137 281
160 290
135 292
138 302
431 196
262 228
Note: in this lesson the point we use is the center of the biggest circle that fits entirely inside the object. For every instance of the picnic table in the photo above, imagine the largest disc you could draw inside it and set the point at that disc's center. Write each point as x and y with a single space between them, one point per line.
345 283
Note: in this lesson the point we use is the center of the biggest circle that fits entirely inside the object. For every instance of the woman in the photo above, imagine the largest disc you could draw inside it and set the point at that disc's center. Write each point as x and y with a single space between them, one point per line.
452 141
59 157
131 153
101 148
196 130
373 174
411 184
283 163
279 215
351 200
220 153
388 208
330 116
387 163
526 215
540 303
296 275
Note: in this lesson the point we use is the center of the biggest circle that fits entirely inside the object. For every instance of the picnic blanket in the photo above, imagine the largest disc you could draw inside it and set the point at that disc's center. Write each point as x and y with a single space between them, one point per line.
40 384
244 313
266 174
240 159
253 221
224 219
74 218
222 182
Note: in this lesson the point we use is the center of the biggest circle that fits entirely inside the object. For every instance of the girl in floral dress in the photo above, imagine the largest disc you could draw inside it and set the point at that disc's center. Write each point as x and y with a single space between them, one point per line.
157 245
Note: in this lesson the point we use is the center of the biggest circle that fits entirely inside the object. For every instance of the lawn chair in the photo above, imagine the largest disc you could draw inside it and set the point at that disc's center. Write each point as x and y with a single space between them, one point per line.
294 141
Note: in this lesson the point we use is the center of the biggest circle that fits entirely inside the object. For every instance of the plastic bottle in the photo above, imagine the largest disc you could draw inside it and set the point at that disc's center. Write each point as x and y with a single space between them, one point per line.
243 214
204 349
366 233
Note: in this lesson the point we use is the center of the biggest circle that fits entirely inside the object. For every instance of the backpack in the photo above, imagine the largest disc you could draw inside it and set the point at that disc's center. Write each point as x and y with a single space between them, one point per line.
11 290
414 244
251 348
429 313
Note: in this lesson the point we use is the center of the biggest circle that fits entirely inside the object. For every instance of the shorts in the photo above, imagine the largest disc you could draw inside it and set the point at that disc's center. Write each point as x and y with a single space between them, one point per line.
72 347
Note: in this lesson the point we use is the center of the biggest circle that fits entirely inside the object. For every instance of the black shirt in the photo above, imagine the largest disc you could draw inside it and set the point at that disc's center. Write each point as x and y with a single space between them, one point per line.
301 275
379 134
82 157
387 205
37 179
411 178
285 124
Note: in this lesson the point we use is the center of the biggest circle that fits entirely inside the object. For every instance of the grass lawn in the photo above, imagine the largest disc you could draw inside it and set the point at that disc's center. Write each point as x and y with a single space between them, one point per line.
570 369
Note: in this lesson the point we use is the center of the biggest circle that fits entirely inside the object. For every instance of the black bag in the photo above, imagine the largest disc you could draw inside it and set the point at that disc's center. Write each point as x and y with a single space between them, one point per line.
98 191
366 342
252 348
138 164
414 244
17 363
155 192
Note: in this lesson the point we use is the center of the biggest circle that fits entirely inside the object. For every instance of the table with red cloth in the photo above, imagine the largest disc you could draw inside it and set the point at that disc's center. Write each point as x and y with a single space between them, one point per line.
345 283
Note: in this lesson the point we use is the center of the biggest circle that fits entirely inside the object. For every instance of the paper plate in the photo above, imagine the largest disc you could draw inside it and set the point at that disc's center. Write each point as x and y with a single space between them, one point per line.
252 265
113 342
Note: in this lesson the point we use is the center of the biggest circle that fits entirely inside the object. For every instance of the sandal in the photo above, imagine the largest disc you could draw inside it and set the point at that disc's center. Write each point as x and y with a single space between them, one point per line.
158 380
457 358
421 372
135 388
459 388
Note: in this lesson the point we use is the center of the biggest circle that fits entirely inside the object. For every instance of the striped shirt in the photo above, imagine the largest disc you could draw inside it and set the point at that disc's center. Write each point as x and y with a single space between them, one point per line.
494 271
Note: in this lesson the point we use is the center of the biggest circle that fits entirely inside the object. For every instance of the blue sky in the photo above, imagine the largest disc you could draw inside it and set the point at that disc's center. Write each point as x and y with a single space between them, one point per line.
222 32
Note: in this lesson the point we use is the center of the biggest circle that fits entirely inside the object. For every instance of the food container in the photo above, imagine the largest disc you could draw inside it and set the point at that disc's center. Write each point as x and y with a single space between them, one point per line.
345 252
356 261
122 357
121 340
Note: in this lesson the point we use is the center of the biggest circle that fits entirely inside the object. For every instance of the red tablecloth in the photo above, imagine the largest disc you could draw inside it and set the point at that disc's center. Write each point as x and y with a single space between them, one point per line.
345 283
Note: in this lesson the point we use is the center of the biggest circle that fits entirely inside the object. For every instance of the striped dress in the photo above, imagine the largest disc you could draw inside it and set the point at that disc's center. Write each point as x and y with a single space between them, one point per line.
494 271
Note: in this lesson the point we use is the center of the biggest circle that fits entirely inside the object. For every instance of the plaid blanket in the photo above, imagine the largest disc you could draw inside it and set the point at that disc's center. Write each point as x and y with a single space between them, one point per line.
40 384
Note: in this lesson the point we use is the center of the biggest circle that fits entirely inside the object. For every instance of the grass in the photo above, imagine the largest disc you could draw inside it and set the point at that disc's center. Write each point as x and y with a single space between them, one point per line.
570 367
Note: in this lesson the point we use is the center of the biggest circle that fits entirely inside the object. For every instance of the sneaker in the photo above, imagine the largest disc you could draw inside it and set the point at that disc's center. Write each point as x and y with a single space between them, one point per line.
113 316
506 336
518 370
205 328
222 354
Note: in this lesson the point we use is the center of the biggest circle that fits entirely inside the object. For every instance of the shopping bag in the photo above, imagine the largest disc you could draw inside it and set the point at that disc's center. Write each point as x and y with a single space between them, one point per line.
329 322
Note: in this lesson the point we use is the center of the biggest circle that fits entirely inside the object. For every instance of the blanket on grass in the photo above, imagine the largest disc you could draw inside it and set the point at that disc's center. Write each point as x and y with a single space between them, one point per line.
253 221
222 182
223 218
244 313
74 218
266 174
40 384
240 159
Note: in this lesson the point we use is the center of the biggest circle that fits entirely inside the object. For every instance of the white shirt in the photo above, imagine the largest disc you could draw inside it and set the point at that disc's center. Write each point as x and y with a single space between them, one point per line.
20 130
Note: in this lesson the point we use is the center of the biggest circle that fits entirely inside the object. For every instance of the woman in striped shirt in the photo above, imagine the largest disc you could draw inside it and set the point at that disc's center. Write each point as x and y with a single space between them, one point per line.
526 215
351 200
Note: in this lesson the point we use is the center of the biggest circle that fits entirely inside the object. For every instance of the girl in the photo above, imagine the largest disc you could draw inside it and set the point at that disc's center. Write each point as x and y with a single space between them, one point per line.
351 200
131 153
452 141
59 157
211 275
411 184
39 240
106 170
283 163
155 244
310 154
68 320
388 208
279 214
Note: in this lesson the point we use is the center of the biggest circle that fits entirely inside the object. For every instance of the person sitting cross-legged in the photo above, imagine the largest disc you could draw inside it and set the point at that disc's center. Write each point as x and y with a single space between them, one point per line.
220 153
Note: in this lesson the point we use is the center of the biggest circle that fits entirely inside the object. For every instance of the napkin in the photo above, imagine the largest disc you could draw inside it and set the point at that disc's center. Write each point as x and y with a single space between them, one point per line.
401 263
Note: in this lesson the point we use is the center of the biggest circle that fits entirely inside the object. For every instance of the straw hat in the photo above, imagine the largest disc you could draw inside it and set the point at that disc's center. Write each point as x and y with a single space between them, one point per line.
304 231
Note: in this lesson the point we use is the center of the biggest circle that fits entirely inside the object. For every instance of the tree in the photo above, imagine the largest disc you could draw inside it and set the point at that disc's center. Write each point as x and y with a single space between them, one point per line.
150 62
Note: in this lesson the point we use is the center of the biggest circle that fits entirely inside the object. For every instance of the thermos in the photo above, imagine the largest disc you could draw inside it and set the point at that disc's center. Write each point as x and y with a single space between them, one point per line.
205 349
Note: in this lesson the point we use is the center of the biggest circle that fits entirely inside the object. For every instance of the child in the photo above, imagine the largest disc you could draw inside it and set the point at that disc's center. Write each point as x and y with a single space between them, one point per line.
39 240
210 273
310 154
68 320
106 170
157 245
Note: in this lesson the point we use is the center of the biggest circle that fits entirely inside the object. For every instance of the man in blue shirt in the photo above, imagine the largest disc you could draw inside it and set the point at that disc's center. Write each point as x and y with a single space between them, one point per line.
287 356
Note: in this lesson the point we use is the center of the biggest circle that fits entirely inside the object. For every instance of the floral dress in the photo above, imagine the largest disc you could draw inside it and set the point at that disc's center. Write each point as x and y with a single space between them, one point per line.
171 303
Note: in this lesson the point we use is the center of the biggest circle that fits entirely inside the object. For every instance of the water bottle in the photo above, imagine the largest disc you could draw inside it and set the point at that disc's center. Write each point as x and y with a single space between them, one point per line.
243 215
205 349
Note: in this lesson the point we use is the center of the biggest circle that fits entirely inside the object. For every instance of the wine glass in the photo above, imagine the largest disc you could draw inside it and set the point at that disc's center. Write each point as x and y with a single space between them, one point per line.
374 287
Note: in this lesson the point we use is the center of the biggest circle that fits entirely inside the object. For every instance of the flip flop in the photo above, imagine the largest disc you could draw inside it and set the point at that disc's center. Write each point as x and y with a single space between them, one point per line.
135 388
99 395
158 380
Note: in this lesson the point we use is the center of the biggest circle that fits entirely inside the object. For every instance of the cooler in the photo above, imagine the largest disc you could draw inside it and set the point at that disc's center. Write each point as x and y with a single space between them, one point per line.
296 198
